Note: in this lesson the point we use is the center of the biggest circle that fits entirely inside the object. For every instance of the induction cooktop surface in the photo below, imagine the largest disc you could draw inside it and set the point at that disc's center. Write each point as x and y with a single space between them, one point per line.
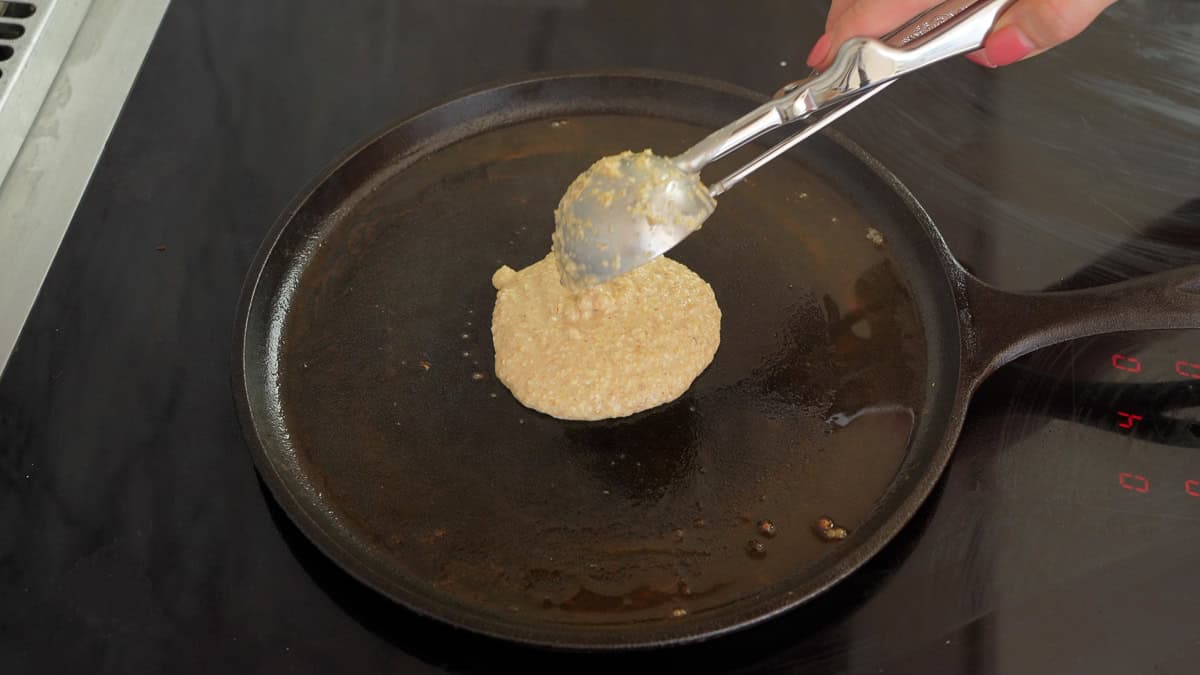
1063 538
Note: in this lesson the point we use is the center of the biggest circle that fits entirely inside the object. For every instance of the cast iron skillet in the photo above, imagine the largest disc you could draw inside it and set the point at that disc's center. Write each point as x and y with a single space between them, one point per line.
365 378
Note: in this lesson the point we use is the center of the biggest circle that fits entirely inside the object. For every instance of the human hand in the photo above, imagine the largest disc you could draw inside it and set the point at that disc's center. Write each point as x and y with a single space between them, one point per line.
1025 29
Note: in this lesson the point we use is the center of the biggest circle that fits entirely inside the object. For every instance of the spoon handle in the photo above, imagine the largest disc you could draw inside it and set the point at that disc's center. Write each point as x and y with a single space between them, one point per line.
950 29
778 149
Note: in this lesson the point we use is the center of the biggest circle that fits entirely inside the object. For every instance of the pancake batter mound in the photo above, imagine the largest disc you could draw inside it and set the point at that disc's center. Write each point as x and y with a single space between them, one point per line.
607 351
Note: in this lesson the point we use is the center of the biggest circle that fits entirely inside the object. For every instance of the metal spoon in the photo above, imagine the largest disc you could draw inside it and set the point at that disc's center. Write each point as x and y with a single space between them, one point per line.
628 209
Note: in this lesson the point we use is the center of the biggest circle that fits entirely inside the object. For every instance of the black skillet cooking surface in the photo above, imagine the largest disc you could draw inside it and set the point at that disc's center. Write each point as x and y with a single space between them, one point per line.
368 394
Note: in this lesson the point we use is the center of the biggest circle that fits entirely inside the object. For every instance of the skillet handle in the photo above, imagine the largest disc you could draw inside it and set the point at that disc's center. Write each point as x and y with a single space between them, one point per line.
1000 326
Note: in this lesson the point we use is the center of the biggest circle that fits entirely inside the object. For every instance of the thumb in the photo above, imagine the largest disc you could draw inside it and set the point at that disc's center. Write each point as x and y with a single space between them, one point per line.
1031 27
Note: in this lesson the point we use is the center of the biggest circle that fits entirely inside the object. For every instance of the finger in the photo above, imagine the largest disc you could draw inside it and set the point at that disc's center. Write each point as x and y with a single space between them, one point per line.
836 10
1031 27
866 18
821 48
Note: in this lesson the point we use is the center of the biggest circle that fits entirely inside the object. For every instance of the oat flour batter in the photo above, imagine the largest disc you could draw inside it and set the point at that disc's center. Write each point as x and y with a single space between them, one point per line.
612 350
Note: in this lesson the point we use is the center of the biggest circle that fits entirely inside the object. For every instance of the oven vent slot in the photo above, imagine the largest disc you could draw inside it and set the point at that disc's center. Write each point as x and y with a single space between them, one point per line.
13 19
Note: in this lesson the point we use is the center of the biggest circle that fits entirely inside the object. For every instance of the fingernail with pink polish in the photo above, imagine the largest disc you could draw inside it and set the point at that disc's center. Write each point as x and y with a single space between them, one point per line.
819 52
1007 45
980 57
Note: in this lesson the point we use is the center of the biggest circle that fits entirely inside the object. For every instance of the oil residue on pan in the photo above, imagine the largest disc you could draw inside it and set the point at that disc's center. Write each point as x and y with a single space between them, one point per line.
387 386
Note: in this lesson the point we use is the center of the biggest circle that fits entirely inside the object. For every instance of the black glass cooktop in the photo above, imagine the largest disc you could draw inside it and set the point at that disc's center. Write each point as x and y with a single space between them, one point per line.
1064 537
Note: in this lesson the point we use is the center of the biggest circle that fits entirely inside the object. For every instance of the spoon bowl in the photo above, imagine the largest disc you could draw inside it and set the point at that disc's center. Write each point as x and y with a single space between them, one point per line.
623 212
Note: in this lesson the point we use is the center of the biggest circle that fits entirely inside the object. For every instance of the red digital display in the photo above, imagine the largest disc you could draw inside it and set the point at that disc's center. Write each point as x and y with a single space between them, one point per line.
1139 483
1130 419
1131 481
1132 364
1186 369
1126 363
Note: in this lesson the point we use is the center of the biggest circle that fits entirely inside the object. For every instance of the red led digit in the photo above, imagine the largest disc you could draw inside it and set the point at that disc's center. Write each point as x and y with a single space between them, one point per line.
1192 487
1134 482
1129 419
1187 369
1126 363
